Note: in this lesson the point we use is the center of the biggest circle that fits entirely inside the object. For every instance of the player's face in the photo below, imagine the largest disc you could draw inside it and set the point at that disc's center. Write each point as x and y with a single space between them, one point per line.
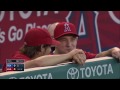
46 49
68 43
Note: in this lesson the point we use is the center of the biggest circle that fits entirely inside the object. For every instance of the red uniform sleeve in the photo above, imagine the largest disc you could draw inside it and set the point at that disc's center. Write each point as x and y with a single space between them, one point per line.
90 55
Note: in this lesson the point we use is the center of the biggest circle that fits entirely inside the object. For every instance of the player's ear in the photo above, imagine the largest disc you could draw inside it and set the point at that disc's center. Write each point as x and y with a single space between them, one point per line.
42 48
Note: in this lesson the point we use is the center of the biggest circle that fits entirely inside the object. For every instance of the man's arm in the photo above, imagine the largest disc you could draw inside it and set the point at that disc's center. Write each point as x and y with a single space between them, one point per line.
114 52
49 60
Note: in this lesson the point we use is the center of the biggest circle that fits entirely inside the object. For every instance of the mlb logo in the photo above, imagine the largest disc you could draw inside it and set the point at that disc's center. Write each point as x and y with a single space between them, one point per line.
67 27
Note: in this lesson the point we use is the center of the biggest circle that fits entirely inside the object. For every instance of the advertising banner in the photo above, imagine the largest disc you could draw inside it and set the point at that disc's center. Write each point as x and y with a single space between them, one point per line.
104 68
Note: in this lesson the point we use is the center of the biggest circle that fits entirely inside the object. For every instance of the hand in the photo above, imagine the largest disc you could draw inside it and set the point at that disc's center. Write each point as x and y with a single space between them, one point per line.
79 58
74 52
116 53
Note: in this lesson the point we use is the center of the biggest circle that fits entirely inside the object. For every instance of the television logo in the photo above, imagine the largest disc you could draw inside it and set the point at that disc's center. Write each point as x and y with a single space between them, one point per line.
9 65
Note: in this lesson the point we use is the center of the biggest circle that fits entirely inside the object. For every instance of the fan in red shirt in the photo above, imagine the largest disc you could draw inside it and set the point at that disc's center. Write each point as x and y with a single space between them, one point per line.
66 34
36 49
33 41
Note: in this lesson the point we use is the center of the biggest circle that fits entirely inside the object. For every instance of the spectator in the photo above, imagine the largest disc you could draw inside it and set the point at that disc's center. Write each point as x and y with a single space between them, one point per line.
36 48
66 34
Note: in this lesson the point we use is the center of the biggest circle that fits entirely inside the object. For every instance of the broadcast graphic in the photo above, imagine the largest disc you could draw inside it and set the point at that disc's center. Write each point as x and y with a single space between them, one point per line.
14 65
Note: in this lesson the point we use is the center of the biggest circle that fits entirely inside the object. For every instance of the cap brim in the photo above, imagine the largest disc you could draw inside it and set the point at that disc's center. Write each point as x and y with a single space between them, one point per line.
55 42
66 34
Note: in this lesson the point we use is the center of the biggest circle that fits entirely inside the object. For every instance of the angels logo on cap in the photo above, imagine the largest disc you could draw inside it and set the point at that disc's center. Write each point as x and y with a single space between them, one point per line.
64 28
67 27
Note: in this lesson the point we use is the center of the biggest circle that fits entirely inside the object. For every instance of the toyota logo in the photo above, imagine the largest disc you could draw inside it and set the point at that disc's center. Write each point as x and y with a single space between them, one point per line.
73 73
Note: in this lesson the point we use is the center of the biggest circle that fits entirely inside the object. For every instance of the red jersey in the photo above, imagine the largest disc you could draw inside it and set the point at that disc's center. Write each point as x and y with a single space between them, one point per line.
17 55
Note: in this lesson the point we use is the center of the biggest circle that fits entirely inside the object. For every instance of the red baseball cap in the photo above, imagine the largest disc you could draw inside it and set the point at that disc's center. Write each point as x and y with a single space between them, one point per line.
39 36
64 28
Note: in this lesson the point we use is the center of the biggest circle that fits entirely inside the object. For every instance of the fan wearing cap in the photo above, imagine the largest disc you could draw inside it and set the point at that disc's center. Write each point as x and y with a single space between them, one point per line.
36 50
66 34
